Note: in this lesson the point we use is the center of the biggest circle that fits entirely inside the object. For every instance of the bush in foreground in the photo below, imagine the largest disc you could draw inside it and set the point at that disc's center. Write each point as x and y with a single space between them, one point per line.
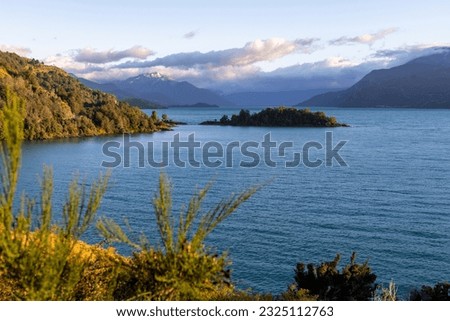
183 268
439 292
38 259
325 282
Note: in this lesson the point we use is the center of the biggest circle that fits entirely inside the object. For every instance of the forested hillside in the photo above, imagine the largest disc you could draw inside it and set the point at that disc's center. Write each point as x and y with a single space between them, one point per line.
58 105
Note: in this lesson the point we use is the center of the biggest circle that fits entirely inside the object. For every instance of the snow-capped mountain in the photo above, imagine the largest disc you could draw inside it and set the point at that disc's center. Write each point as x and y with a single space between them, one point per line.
151 75
158 88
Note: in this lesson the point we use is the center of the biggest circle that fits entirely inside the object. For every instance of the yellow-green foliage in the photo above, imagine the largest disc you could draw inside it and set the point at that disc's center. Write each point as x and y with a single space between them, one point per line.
295 294
38 259
186 275
183 269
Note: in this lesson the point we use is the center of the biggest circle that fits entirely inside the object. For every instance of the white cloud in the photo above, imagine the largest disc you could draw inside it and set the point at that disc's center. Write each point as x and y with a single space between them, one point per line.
404 54
339 62
68 64
269 50
107 75
252 52
368 38
90 55
21 51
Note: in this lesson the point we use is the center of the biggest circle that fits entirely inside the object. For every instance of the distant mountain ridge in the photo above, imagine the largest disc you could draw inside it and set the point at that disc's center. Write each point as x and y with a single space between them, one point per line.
422 82
159 89
272 98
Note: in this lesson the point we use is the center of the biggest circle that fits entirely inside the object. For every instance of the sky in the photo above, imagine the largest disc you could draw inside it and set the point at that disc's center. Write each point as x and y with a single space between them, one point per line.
229 45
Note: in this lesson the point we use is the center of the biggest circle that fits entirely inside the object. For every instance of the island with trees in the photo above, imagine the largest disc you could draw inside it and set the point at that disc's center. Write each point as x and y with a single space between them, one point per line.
278 117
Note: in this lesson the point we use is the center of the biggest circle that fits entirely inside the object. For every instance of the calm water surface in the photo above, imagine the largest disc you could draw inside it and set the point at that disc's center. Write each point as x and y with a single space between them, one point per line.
391 204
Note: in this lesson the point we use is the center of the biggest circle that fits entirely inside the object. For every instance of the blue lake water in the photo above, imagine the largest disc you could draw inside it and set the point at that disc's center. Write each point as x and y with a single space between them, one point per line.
391 204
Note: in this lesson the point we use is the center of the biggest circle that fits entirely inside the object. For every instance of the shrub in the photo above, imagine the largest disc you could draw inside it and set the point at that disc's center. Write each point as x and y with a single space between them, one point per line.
438 292
353 282
38 259
182 268
295 294
386 294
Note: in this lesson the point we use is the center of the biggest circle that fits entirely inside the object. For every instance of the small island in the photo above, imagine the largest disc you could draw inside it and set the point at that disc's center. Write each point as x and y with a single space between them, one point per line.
278 117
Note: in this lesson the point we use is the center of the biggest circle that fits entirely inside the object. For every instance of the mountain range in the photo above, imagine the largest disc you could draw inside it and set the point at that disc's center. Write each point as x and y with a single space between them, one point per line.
422 82
155 90
160 90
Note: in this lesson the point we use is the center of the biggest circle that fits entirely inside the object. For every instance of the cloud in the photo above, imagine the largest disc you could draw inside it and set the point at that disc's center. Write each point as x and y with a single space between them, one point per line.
237 69
21 51
190 34
252 52
68 64
89 55
221 66
368 38
333 72
406 53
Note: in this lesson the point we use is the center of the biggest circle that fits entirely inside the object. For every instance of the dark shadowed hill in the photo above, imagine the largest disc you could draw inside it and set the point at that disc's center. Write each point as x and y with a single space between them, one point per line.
422 82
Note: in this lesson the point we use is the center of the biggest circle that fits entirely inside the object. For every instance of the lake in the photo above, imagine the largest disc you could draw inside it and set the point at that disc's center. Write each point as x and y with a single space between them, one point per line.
390 203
